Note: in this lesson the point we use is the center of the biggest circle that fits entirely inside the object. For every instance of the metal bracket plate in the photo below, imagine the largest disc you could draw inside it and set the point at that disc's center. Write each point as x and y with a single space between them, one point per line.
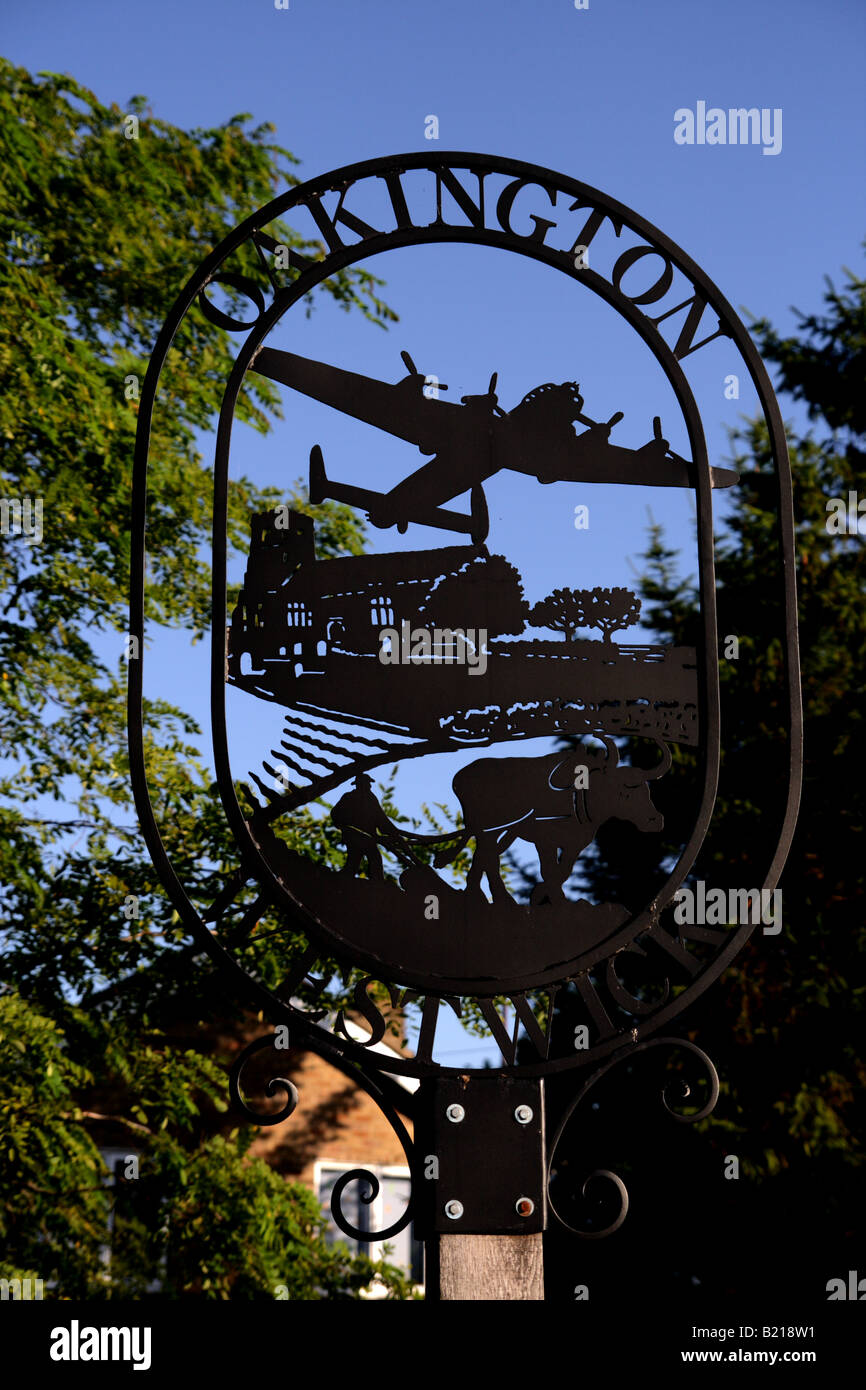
482 1151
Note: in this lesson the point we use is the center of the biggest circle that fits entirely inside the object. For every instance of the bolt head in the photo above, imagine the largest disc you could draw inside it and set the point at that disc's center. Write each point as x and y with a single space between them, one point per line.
524 1206
455 1114
523 1114
454 1209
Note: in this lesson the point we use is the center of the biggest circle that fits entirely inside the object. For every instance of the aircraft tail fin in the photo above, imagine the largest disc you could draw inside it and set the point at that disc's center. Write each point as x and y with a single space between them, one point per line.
318 476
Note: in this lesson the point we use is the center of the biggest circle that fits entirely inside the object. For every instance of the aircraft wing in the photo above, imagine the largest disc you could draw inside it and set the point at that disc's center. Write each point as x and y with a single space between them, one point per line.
400 409
641 468
590 458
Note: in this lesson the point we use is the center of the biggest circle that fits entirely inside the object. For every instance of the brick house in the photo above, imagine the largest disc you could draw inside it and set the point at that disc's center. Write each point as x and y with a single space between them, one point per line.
337 1126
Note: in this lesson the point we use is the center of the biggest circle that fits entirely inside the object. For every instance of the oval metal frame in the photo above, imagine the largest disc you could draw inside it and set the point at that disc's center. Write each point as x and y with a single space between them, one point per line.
254 865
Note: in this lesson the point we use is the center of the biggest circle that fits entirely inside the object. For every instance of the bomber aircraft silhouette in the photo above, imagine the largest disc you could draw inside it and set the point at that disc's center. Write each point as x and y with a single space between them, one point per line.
472 441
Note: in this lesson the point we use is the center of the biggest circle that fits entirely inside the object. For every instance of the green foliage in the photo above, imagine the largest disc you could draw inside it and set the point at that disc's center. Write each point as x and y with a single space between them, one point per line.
53 1217
201 1218
217 1225
100 233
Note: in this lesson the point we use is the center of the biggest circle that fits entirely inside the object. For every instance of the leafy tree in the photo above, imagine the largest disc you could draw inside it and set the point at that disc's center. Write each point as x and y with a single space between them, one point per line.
103 219
52 1172
785 1022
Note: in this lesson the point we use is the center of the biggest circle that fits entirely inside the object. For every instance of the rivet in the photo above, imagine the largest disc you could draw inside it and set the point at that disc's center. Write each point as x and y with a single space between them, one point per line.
454 1209
523 1114
455 1114
524 1206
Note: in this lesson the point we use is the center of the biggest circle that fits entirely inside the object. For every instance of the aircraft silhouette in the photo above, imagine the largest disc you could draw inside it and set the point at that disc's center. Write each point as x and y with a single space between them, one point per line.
472 441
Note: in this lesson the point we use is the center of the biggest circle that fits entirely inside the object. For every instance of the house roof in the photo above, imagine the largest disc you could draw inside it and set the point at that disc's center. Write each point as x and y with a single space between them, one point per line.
352 573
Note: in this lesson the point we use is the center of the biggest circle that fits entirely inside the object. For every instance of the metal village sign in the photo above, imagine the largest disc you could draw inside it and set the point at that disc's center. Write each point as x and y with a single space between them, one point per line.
374 659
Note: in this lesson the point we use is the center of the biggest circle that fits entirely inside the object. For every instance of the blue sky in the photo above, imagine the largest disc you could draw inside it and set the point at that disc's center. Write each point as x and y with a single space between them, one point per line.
591 93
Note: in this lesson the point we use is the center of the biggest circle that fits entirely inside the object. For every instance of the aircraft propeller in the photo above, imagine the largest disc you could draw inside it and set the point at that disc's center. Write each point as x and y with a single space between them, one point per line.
413 370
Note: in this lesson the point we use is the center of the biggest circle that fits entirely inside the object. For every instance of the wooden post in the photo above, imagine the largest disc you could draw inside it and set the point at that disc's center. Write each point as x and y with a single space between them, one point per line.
497 1268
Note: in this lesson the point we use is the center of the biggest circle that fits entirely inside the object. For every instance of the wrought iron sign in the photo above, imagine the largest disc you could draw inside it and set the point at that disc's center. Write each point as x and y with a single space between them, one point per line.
423 651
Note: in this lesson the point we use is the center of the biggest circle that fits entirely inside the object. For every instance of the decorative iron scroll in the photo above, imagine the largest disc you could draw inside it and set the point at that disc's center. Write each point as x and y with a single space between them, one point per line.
274 1084
603 1173
360 1175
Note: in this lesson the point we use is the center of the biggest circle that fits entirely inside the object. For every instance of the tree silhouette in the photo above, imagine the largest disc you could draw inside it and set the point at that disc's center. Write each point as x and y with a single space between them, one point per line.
486 592
566 610
610 610
563 611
